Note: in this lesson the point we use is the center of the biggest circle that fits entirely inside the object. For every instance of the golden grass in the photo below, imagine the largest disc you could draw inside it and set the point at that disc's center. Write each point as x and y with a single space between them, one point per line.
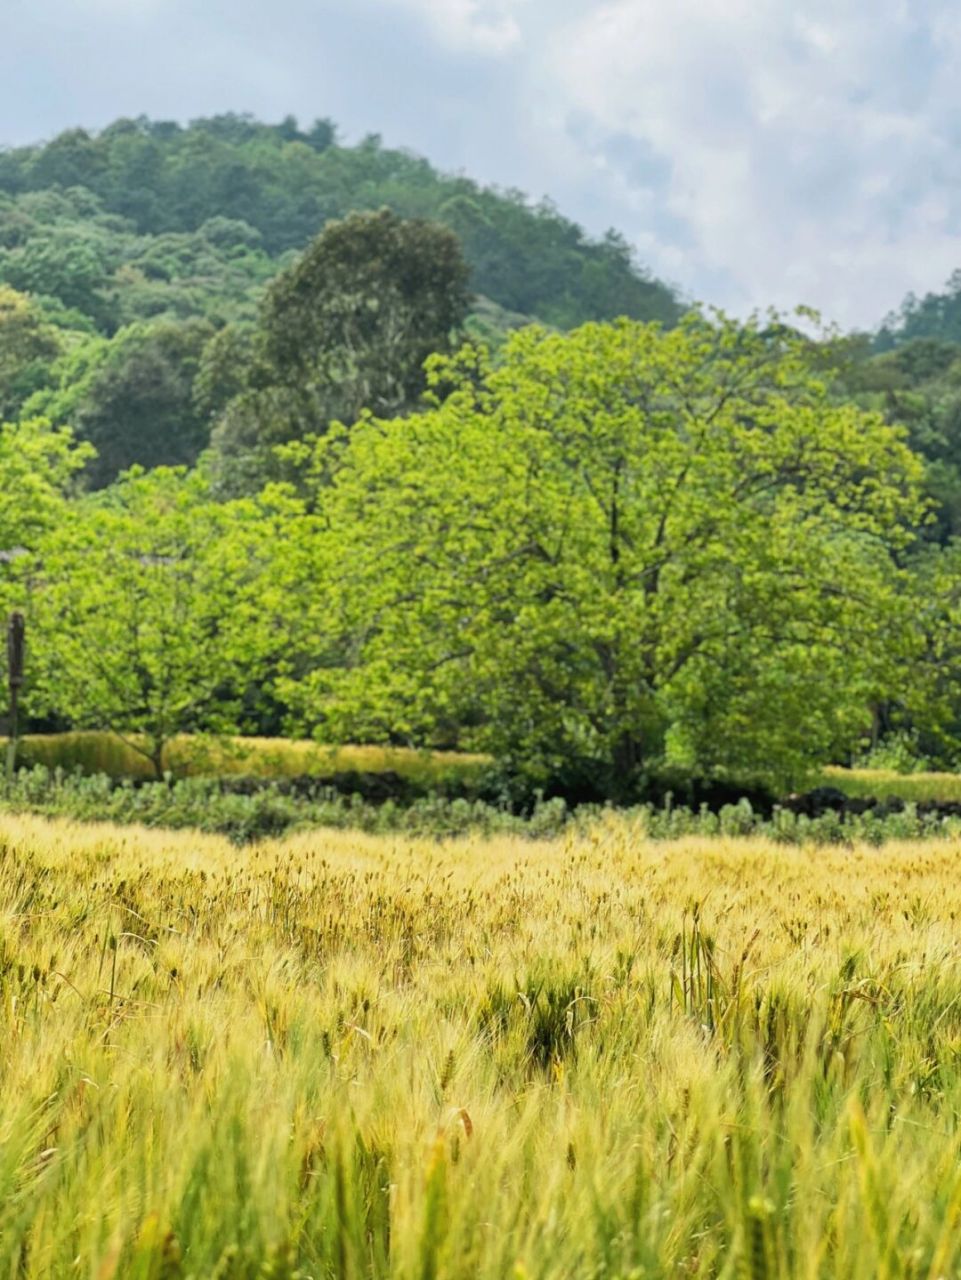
98 752
339 1055
887 782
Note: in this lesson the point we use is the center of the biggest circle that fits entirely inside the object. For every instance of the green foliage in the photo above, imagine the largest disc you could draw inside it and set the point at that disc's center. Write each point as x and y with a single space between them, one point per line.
936 316
155 237
73 270
918 386
129 315
620 546
38 464
595 557
89 266
27 349
361 311
138 613
284 184
250 430
132 397
224 369
928 698
348 327
38 467
899 751
248 809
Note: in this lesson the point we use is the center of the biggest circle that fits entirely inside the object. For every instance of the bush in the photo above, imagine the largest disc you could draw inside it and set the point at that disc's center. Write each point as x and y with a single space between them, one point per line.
262 809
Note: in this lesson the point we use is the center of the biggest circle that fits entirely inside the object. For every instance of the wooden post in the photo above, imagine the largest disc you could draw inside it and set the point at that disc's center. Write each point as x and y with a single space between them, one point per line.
16 626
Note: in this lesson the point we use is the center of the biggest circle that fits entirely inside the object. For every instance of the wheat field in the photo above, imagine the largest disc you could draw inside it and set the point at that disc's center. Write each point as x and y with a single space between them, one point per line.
348 1056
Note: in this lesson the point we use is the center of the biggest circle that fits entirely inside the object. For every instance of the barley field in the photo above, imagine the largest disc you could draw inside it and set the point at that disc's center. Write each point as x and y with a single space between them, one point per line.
352 1056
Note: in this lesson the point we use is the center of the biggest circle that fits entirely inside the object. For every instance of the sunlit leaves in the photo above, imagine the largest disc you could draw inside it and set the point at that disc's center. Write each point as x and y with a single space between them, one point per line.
616 544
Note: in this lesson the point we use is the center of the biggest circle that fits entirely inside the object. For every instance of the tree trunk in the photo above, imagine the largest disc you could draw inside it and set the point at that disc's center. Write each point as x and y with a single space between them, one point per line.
626 760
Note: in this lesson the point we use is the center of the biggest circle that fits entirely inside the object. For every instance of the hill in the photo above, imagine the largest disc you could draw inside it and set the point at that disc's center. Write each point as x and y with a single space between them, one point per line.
103 222
936 315
133 263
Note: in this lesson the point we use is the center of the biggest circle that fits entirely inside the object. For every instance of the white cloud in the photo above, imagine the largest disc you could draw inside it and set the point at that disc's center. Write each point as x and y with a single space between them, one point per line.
802 154
755 151
484 26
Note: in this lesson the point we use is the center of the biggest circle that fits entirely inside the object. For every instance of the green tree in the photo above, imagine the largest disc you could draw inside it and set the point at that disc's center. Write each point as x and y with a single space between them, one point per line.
38 466
68 265
360 312
918 386
248 433
618 548
69 160
223 369
923 704
288 183
27 349
347 328
936 315
132 397
138 606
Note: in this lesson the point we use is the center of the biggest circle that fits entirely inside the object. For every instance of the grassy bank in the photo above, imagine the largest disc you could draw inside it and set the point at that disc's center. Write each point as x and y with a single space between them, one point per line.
93 752
96 752
347 1056
883 783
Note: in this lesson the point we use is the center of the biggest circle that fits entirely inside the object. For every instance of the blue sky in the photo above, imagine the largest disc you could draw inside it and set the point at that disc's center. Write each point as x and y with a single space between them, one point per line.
756 152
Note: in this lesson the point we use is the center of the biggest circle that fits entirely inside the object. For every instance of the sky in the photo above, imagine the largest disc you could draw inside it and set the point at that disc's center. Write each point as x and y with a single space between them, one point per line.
756 153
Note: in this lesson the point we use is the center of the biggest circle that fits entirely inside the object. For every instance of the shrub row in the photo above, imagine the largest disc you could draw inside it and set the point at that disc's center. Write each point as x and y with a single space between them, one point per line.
255 809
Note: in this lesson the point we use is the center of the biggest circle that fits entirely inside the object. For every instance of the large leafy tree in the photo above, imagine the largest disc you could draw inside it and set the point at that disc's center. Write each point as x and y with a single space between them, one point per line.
347 328
140 612
923 706
359 313
38 467
69 265
617 548
917 385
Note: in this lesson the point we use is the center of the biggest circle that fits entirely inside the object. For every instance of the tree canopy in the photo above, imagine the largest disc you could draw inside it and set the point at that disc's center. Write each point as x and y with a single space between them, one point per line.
618 547
28 347
140 614
130 243
132 397
349 326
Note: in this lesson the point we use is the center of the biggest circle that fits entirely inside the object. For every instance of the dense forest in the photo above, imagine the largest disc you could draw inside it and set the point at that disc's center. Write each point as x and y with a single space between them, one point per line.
304 437
138 245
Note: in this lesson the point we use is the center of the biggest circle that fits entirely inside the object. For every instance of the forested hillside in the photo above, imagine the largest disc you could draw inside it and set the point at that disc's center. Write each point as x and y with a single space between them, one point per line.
139 245
909 370
149 199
